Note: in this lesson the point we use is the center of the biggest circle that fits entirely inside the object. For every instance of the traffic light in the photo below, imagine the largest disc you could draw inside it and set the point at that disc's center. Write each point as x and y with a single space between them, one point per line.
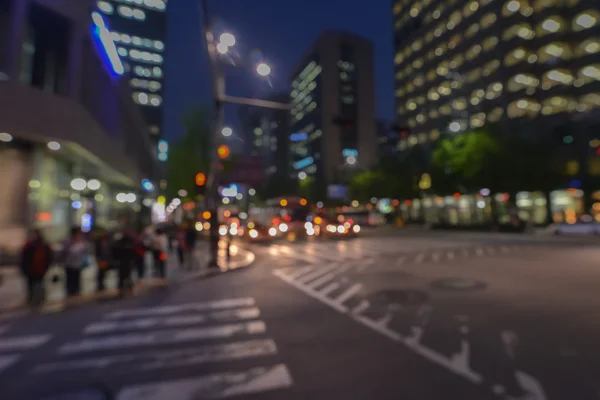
223 151
401 130
200 183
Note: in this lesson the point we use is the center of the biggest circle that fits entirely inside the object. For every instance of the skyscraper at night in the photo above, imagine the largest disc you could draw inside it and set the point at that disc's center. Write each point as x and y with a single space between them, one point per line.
522 65
139 29
334 81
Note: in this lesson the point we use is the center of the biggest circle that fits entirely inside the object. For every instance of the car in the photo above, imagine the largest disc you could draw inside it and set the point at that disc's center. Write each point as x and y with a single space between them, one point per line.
256 232
338 228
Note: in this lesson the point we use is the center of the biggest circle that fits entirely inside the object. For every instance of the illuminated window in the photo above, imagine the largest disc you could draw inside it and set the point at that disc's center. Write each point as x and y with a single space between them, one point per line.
446 109
474 75
556 77
419 80
589 101
473 29
421 118
523 108
105 7
473 52
429 36
590 46
431 75
539 5
522 31
590 73
444 88
460 104
434 134
478 120
488 19
420 100
399 58
470 8
454 41
417 44
433 95
522 81
554 50
454 20
551 24
516 56
140 98
586 20
558 104
457 61
511 7
490 67
490 43
495 114
494 90
134 13
397 8
434 113
418 63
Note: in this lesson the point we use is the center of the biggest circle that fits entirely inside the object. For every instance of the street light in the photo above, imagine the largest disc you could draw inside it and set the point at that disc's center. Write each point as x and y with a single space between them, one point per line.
302 175
454 127
228 39
222 48
226 131
263 69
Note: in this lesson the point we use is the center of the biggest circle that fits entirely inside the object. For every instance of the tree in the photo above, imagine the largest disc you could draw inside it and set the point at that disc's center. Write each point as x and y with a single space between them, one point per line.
191 154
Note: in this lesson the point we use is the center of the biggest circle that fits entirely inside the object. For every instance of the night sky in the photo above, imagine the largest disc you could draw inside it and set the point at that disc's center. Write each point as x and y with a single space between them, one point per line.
283 30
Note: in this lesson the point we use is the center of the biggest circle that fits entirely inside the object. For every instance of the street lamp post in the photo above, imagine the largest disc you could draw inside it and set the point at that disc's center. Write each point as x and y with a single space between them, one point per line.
220 98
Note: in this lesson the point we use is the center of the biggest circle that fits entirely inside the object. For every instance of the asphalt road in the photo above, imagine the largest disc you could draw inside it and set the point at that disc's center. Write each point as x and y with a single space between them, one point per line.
427 316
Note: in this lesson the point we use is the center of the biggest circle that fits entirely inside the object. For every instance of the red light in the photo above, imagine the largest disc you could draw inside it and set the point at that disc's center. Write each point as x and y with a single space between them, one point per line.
350 221
456 195
287 218
598 151
408 202
200 179
223 151
276 221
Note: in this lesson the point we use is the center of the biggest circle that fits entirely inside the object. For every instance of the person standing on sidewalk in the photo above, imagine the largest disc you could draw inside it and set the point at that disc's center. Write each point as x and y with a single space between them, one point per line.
191 237
182 248
160 250
36 258
103 258
140 254
124 253
76 258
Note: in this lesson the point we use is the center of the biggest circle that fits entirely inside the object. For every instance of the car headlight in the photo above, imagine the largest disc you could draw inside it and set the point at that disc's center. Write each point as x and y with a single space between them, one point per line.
341 229
223 230
356 228
331 228
272 231
253 233
283 227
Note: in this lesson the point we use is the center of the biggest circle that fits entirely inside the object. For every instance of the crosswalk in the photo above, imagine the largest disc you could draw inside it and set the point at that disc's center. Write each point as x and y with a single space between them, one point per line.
387 253
136 342
14 347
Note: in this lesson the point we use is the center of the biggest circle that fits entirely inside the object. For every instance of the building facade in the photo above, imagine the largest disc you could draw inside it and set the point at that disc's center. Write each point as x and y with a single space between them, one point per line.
139 28
74 148
523 65
333 82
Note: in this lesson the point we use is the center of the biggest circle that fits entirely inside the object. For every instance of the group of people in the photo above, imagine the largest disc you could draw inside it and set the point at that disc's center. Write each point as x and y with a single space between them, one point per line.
123 251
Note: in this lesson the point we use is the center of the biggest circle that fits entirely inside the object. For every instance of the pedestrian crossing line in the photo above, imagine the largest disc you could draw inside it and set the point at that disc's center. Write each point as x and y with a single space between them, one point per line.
324 279
7 361
315 274
287 251
450 255
163 337
216 386
435 257
167 310
23 342
329 289
146 361
166 322
348 293
300 272
321 295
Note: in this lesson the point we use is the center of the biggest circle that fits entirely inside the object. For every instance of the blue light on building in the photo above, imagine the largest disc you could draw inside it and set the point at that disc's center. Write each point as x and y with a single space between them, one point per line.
305 162
106 45
163 150
298 137
350 153
147 185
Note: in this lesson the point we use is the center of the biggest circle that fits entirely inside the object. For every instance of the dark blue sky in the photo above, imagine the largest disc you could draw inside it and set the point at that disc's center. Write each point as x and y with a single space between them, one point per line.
283 30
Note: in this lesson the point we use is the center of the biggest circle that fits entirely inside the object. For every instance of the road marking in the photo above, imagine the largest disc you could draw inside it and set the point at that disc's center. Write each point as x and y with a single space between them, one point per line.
315 274
351 291
450 255
329 288
8 361
167 310
23 342
134 363
153 322
504 249
163 337
420 257
361 307
214 386
299 272
312 293
322 280
479 251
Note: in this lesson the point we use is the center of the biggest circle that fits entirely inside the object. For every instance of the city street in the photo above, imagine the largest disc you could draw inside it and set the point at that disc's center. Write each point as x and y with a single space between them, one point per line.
423 316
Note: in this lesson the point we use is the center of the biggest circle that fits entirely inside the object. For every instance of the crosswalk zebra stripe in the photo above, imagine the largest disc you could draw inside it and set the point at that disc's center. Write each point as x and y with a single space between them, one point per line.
163 337
8 361
167 310
215 386
348 293
23 342
146 361
324 279
158 322
329 288
299 272
316 274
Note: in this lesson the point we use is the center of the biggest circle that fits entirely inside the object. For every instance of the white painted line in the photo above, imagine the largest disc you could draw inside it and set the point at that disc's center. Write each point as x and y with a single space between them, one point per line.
322 280
329 288
167 310
348 293
134 363
479 251
8 361
319 296
163 337
315 274
23 342
299 272
419 259
162 322
214 386
361 307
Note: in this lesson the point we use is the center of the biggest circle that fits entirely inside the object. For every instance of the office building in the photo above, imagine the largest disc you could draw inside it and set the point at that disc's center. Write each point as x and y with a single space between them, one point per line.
73 145
524 66
387 139
266 135
334 81
139 28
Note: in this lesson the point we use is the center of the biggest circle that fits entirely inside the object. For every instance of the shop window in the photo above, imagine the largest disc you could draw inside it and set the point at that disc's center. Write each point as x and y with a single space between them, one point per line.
523 108
586 20
554 50
488 20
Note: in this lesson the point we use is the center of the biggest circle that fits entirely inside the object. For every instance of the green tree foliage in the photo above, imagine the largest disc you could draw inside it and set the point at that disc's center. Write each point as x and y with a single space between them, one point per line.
191 154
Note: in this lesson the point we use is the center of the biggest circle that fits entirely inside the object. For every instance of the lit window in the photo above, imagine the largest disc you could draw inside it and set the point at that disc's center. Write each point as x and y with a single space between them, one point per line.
495 114
154 129
590 73
416 46
473 29
460 104
473 52
523 31
470 8
157 72
454 41
434 113
457 61
490 43
554 50
454 20
557 104
556 77
434 134
586 20
433 95
488 19
490 67
139 14
474 75
122 51
478 120
158 45
494 90
421 118
522 81
399 58
397 8
590 46
523 108
429 36
590 101
511 7
140 98
516 56
431 75
105 7
539 5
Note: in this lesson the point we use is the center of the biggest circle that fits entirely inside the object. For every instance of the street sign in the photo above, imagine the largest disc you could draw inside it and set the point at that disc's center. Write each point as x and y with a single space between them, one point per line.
246 170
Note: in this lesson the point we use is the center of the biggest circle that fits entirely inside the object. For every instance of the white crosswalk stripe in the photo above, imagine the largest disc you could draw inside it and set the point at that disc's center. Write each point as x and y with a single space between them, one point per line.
23 342
136 342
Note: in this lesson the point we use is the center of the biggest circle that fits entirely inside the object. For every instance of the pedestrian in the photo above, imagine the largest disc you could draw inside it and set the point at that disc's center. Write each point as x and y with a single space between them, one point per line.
76 258
104 253
140 254
191 237
182 249
125 255
36 258
160 249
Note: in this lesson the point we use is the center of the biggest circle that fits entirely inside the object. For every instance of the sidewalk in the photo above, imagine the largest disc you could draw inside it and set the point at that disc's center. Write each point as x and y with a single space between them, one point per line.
13 293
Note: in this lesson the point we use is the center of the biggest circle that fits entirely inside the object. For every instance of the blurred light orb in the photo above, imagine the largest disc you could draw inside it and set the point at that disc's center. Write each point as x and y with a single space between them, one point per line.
222 48
263 69
53 146
78 184
351 160
227 131
182 193
454 127
302 175
252 192
227 39
93 184
5 137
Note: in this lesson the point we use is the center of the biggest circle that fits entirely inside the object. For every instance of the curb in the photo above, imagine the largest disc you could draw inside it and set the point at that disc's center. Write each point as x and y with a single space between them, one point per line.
248 259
